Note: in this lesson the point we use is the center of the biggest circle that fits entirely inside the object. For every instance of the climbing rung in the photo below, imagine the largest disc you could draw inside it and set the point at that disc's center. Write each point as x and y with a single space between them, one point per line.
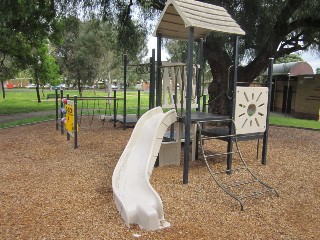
254 194
239 184
236 169
228 171
220 154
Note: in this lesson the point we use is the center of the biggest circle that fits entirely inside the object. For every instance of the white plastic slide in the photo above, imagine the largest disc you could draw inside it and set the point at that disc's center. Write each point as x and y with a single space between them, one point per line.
135 198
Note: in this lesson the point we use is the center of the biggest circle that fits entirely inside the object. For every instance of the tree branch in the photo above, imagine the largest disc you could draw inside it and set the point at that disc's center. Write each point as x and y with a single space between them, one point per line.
304 22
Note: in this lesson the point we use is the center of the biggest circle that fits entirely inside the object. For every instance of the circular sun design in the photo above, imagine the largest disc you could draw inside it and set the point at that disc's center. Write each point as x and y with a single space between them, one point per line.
251 109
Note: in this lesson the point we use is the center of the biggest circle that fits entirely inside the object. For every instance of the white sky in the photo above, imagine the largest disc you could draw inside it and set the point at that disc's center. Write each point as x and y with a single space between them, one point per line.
152 43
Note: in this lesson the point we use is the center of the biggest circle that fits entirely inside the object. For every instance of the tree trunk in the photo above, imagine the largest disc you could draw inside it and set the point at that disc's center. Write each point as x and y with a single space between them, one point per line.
79 87
37 88
3 90
220 64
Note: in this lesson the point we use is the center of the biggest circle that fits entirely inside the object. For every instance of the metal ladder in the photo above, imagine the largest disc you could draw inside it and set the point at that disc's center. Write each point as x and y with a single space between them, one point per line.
229 188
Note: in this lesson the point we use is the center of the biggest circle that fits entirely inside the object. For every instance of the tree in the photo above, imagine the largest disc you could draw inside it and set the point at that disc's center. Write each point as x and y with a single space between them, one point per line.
47 68
273 29
90 51
7 71
24 26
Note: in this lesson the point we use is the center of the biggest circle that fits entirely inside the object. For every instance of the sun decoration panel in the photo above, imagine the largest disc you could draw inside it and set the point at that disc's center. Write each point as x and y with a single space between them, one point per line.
251 109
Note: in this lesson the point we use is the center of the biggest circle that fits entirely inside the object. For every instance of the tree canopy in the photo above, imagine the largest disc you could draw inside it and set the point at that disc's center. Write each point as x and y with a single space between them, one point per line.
273 29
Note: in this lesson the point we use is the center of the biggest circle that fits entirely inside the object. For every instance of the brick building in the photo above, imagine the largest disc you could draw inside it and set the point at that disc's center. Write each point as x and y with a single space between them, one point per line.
296 90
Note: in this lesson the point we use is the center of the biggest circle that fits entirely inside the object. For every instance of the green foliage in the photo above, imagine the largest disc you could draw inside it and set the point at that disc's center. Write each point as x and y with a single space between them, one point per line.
23 26
289 58
273 29
46 69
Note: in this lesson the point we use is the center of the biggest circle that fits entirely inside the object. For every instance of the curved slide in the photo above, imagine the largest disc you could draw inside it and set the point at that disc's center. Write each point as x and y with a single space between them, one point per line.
135 198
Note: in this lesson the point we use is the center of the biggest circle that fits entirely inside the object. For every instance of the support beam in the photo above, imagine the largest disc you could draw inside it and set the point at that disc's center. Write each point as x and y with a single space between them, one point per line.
152 80
266 133
159 80
125 62
233 100
188 106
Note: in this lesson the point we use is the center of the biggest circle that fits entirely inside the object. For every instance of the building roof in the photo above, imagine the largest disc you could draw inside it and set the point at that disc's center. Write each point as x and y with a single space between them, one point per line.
178 15
292 69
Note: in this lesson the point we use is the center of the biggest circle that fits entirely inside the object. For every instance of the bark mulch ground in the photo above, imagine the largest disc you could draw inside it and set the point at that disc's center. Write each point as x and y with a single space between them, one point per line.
48 190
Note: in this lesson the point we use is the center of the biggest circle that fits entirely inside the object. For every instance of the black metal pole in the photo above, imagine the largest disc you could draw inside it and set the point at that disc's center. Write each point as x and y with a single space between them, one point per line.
232 102
188 107
125 61
61 114
139 102
114 107
75 119
57 109
68 134
159 80
266 133
198 87
152 80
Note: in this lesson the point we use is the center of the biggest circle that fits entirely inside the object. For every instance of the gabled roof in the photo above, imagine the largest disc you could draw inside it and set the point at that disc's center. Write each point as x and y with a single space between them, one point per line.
178 15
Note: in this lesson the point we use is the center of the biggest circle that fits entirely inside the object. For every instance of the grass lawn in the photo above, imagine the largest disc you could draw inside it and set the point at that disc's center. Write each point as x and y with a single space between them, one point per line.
23 101
294 122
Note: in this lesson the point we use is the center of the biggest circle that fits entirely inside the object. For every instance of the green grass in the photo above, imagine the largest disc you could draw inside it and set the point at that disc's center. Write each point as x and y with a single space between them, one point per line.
293 122
22 101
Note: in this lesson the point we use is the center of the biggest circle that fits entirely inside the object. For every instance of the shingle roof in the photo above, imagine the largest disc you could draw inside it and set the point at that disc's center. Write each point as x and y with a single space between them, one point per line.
178 15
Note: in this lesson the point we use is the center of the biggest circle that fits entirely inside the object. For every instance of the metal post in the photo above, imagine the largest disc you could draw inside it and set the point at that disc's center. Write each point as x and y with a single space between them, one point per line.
68 134
114 107
139 102
125 91
152 80
61 114
57 109
75 119
287 97
159 80
232 102
198 88
188 107
266 133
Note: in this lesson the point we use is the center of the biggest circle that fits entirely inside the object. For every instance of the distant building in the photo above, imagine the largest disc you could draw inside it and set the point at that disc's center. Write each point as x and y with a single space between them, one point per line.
296 90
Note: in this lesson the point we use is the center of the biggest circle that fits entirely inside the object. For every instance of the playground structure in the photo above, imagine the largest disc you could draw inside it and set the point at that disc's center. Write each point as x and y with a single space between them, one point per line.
191 20
91 110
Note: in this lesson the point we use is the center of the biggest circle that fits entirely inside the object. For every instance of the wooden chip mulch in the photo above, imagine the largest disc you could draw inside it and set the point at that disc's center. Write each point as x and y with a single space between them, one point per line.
48 190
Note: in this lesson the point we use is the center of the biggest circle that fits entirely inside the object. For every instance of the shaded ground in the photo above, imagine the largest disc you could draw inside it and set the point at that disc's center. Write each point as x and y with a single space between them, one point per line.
51 191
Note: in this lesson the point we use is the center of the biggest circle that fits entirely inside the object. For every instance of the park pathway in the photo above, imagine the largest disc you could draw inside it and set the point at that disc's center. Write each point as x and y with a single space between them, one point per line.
6 118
